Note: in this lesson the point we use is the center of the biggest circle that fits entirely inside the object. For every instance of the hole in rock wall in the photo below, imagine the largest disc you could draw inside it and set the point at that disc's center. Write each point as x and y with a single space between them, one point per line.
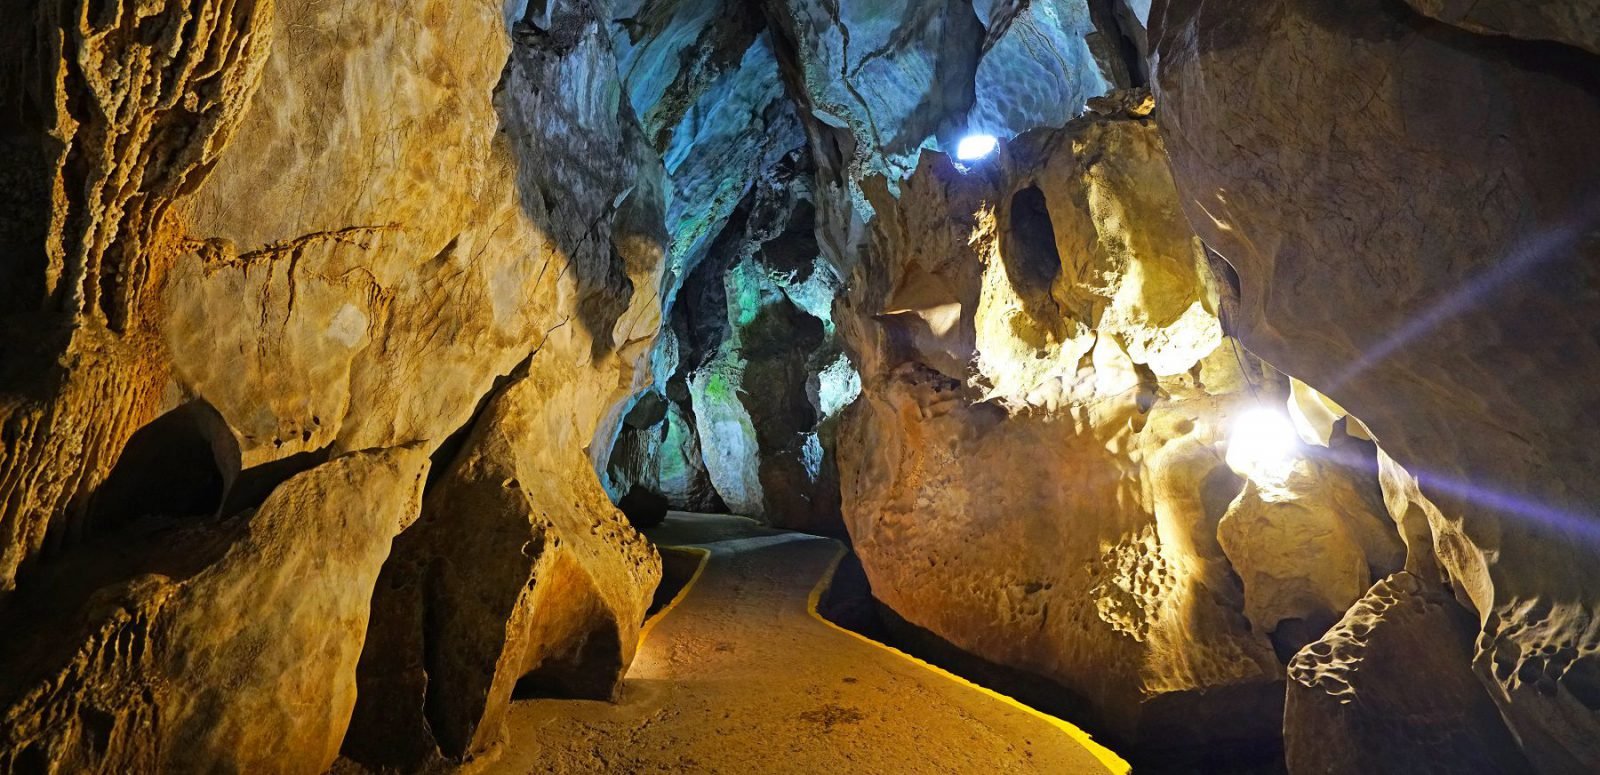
24 203
257 482
585 670
179 465
1582 681
1032 261
1217 491
795 250
643 507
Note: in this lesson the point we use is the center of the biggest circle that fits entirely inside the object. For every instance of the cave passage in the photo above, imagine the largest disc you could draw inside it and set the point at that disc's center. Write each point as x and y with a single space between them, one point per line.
799 386
742 674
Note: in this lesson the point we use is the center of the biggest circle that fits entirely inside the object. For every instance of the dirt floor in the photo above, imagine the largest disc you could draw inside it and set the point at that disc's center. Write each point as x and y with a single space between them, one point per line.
740 676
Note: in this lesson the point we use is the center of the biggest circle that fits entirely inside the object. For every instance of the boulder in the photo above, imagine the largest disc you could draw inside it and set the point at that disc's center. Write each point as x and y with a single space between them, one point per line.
1391 689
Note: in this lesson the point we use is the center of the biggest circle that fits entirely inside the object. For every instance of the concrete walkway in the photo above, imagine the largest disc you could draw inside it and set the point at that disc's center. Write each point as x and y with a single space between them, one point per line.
741 676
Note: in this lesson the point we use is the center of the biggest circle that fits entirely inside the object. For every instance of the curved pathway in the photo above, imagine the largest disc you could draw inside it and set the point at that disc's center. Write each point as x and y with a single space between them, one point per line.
741 676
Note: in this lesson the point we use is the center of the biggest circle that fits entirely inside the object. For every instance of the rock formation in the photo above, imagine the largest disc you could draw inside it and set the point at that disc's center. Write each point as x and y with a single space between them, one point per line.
1307 546
1064 319
1391 690
339 228
510 580
178 648
1455 317
737 417
329 335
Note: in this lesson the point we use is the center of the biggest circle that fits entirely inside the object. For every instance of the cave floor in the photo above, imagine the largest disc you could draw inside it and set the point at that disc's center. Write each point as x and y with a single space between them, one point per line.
740 676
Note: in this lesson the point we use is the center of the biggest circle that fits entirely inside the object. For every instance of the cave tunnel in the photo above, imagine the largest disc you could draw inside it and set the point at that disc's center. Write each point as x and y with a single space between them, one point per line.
797 386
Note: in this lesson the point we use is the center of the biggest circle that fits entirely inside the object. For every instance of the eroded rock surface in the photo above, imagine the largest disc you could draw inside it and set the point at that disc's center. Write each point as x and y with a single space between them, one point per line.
340 228
510 580
734 419
1064 322
1308 545
1391 689
1460 334
225 646
261 263
114 119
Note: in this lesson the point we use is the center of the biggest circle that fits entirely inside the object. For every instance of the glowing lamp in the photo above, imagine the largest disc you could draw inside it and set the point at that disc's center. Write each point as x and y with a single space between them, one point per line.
975 147
1263 446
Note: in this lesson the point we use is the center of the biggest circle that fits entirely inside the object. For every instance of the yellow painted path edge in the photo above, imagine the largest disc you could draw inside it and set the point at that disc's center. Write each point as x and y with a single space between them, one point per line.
650 624
1105 756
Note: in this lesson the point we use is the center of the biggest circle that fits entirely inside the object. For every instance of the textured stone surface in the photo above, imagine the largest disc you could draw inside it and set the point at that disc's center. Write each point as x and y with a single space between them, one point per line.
339 226
1307 547
995 346
212 647
260 261
747 299
511 580
1390 689
1462 336
657 451
382 309
1045 45
114 118
880 82
760 336
1576 22
891 74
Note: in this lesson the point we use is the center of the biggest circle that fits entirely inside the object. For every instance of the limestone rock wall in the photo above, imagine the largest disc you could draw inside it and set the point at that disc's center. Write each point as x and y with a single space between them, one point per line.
183 649
341 227
501 587
734 419
1035 471
318 322
760 335
1010 334
1334 200
874 84
1420 244
1062 321
113 120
